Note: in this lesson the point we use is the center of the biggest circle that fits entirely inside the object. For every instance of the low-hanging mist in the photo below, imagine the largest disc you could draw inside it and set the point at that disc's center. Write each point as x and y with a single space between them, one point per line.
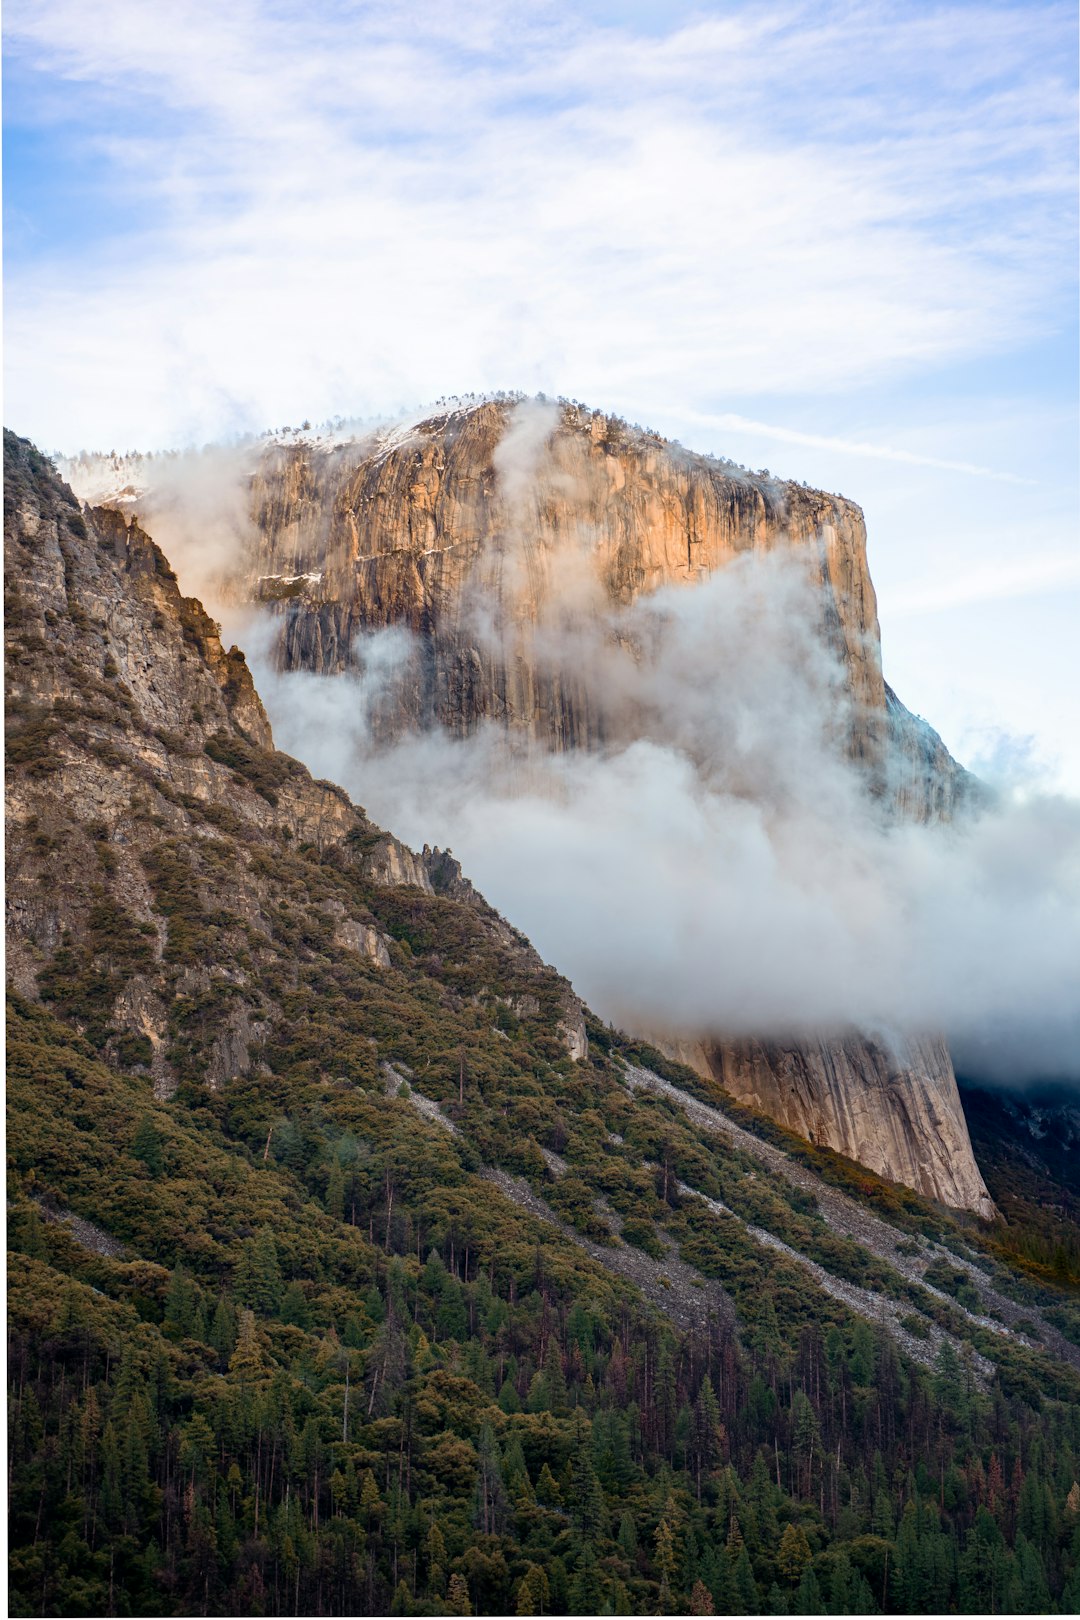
722 867
726 870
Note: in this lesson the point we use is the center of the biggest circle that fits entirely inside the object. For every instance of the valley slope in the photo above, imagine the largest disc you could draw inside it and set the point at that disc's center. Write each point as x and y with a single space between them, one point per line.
356 1268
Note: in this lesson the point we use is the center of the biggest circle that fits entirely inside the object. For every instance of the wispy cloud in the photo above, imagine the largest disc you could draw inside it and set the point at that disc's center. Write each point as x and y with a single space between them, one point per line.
849 447
349 206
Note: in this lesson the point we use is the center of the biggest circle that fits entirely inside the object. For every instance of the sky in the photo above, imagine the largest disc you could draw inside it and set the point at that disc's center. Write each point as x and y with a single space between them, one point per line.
837 240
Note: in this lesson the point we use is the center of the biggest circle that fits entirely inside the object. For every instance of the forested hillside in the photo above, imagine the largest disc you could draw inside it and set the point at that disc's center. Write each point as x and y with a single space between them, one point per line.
346 1276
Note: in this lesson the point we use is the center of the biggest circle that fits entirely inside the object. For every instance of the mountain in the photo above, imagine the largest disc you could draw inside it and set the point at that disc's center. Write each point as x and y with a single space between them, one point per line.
354 1267
487 530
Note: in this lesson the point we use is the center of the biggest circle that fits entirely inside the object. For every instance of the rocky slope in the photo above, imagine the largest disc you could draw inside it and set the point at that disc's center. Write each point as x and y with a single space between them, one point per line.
481 528
151 824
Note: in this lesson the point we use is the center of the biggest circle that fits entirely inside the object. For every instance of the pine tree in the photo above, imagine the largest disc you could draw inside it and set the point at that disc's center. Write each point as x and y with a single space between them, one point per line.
457 1596
793 1554
146 1146
179 1304
808 1599
588 1505
490 1513
666 1563
246 1364
587 1587
701 1600
556 1379
435 1552
31 1235
372 1506
335 1190
294 1307
708 1434
534 1592
222 1332
806 1438
745 1587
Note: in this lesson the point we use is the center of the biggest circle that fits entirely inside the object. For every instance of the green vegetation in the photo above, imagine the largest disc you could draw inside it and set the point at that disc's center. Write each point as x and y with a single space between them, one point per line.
278 1345
265 771
325 1373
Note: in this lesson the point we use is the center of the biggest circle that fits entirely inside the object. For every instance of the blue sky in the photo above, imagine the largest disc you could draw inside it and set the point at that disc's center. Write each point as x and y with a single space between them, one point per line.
835 240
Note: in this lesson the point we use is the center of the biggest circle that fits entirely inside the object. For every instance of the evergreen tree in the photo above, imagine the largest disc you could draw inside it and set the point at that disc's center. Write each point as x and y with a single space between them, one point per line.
701 1600
179 1304
146 1146
222 1332
457 1596
808 1599
335 1190
743 1584
534 1592
490 1511
247 1364
548 1490
435 1554
793 1554
294 1307
586 1587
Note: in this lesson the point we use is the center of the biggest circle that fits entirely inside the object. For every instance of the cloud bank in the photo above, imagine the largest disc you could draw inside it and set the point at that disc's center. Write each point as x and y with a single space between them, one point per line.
722 869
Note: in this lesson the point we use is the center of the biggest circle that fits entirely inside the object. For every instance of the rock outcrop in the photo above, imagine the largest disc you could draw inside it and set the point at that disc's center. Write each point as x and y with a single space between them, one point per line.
894 1106
477 527
151 823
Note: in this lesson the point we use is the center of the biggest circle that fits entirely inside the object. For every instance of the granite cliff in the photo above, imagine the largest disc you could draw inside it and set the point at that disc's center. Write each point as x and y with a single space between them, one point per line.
481 528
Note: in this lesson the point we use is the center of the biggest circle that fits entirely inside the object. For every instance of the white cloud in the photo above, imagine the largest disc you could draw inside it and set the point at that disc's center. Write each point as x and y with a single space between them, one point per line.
719 868
352 208
731 421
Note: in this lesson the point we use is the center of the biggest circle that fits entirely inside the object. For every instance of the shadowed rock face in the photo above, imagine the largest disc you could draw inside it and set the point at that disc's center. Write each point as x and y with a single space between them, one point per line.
894 1108
474 528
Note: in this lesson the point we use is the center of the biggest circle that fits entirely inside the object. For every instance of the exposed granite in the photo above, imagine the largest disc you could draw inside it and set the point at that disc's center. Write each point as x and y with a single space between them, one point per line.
467 530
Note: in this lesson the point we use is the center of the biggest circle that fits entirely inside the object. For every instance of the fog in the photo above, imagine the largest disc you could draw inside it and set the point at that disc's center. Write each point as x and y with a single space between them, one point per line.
721 866
724 869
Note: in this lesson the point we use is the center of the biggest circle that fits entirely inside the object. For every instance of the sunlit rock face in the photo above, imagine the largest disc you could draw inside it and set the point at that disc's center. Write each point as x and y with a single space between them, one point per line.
471 530
490 531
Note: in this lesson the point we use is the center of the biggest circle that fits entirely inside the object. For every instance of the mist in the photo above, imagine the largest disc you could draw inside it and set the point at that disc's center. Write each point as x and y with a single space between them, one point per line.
725 869
721 867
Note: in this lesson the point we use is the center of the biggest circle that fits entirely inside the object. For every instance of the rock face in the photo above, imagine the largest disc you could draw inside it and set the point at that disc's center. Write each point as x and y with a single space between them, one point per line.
476 528
473 527
896 1110
151 823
